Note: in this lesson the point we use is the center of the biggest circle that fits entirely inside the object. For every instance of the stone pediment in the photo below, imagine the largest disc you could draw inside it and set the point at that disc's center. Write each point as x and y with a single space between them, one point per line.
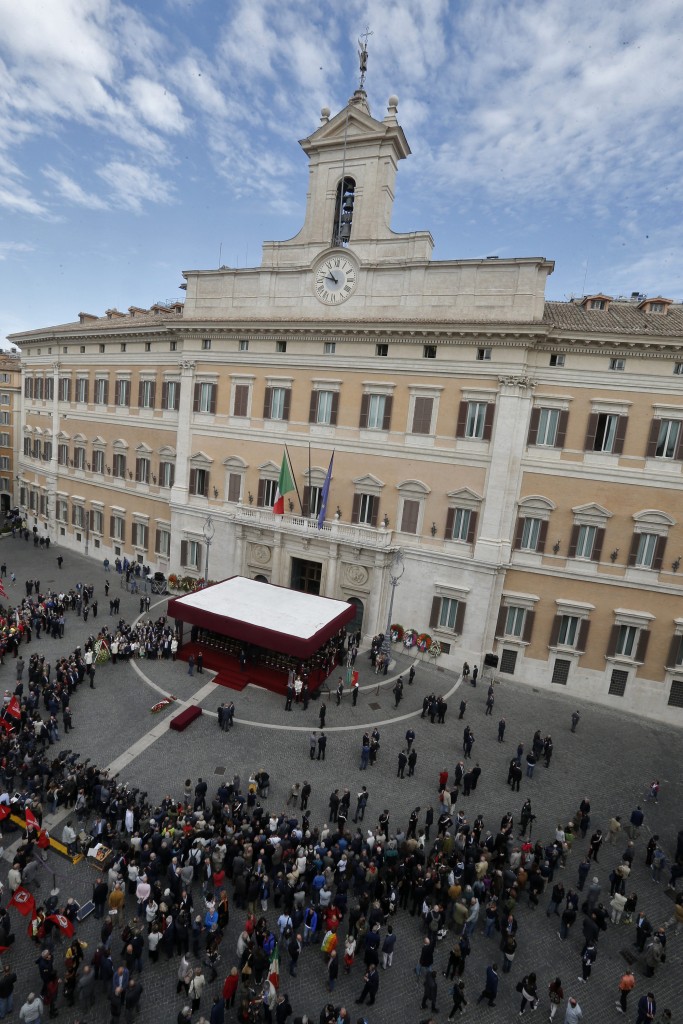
367 481
592 507
464 494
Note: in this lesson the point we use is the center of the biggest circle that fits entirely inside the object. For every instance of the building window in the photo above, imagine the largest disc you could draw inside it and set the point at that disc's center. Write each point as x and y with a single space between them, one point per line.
461 524
531 533
234 486
65 389
173 346
267 489
276 403
170 395
119 465
148 346
204 397
556 359
423 409
117 528
475 420
382 349
101 391
27 447
626 641
365 509
162 542
146 394
78 516
47 451
448 614
5 462
375 412
142 469
585 542
548 427
82 390
122 393
28 387
280 346
514 621
676 694
241 400
678 369
98 461
645 552
206 344
199 482
569 630
312 501
617 364
166 474
561 671
324 407
191 554
665 439
244 345
123 346
596 304
49 388
618 681
606 432
97 521
656 307
410 515
79 457
508 662
38 388
429 352
63 454
61 510
4 441
483 354
329 348
101 348
140 536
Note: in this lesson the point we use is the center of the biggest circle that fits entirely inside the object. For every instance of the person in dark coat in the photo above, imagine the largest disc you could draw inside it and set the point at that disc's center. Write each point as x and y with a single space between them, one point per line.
430 991
491 987
371 986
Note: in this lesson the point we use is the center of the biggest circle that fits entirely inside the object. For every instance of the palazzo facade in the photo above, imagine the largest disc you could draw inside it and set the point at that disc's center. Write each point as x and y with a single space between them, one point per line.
523 456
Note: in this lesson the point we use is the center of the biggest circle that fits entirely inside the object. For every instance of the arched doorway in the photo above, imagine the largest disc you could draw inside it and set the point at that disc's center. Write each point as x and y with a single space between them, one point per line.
357 621
260 579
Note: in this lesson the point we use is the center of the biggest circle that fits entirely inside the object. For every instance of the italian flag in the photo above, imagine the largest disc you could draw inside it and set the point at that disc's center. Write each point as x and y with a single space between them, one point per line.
284 485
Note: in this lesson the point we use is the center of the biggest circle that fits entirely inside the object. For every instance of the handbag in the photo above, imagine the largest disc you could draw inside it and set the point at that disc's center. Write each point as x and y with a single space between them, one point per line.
520 986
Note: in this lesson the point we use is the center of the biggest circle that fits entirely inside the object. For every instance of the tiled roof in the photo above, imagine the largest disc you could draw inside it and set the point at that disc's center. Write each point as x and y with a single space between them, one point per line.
620 318
103 323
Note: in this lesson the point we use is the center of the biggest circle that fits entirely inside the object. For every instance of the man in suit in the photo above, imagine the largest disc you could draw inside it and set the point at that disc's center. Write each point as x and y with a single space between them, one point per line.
491 987
647 1008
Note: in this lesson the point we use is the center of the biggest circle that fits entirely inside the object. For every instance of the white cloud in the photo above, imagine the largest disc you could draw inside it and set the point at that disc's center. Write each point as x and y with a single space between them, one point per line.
18 199
11 248
70 190
133 185
156 105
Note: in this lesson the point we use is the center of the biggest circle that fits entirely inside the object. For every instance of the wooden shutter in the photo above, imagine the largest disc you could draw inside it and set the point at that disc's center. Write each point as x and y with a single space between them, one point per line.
500 621
123 531
643 641
183 552
355 512
137 470
542 536
193 481
164 398
658 557
618 446
140 393
435 613
561 434
117 392
134 537
111 526
305 504
409 516
267 403
678 454
86 392
388 403
488 421
528 625
532 436
374 510
241 406
73 515
286 405
462 419
519 533
313 407
651 448
450 522
460 617
422 415
584 630
364 406
613 640
261 494
153 395
591 431
213 389
633 553
234 486
176 399
205 483
573 541
598 545
674 648
195 398
157 541
555 630
472 528
334 411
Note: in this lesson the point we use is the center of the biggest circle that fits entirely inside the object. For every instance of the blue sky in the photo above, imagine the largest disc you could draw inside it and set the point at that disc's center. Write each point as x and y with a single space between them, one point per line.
141 139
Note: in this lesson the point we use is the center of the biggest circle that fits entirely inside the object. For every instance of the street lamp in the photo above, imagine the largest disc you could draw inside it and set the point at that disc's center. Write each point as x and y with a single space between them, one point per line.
208 529
396 570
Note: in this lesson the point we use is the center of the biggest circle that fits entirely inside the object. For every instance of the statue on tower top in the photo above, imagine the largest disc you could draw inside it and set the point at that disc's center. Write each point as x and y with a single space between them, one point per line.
363 55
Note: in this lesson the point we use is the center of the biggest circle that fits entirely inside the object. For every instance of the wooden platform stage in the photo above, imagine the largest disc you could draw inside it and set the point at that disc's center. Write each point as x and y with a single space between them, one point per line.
230 674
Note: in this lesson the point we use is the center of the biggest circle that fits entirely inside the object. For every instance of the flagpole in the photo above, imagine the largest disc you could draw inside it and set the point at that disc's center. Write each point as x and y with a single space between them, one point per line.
296 486
310 488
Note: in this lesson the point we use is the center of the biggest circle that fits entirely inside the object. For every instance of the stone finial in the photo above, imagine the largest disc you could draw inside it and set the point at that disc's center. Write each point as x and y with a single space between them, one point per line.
324 115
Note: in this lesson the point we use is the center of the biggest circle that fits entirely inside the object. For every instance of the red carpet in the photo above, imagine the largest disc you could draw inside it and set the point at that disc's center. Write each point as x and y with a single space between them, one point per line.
230 674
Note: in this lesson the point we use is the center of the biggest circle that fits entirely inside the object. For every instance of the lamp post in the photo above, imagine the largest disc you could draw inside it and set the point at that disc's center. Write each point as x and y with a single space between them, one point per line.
208 529
396 570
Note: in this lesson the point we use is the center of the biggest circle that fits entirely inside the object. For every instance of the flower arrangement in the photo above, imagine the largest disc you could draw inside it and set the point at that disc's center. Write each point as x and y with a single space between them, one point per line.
410 638
173 581
424 642
435 649
397 633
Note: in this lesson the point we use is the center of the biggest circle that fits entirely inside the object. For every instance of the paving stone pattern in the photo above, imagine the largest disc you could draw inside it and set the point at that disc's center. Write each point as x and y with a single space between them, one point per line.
611 759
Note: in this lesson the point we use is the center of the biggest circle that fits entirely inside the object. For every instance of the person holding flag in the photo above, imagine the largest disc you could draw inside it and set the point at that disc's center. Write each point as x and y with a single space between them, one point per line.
285 484
10 715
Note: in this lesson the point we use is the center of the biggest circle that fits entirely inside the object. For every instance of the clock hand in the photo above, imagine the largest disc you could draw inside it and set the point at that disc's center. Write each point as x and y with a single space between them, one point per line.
331 277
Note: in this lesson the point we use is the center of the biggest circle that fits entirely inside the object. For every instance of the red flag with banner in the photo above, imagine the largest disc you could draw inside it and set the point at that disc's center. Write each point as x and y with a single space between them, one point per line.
23 901
63 923
13 708
31 820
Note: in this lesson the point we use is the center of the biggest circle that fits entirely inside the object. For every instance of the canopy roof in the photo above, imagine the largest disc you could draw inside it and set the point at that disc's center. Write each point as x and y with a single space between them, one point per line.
287 621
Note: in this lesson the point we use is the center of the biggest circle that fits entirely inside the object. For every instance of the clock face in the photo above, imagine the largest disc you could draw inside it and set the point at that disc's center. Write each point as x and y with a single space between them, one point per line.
335 280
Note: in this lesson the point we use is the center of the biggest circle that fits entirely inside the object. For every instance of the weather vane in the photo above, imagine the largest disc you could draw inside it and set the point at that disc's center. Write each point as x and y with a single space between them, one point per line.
363 54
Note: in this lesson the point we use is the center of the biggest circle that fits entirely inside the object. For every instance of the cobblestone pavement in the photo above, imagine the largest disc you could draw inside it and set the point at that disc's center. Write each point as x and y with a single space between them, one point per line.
611 758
